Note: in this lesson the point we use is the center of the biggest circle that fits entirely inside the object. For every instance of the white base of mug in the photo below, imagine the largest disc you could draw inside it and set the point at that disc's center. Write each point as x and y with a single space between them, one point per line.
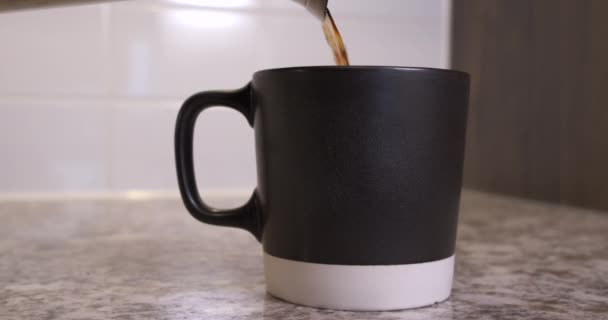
358 287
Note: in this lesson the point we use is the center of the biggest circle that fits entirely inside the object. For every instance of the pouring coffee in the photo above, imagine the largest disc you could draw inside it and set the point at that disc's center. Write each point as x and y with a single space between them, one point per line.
319 9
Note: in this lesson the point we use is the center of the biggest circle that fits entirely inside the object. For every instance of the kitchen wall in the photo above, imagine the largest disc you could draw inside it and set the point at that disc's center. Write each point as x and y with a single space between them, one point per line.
89 94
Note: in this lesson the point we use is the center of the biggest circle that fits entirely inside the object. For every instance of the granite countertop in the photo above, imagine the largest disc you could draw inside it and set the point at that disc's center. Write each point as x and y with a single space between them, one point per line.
148 259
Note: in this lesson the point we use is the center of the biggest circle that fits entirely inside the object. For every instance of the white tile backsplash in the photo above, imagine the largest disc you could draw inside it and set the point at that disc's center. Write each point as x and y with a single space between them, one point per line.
89 94
141 142
141 148
60 146
52 52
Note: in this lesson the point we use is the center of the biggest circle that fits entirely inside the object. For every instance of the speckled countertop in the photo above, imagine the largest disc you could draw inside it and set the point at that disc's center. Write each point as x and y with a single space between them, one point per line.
148 259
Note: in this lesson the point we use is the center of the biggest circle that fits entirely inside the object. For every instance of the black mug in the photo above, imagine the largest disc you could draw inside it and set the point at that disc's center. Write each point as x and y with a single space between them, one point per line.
359 178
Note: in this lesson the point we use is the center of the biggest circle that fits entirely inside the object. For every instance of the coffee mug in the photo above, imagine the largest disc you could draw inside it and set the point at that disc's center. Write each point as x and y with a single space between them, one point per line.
359 179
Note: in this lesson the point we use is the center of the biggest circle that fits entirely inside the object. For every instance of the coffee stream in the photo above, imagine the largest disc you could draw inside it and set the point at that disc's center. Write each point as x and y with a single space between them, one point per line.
334 40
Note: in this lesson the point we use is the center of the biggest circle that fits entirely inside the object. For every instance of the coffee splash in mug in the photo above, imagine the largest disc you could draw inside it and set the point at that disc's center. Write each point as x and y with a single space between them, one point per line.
334 40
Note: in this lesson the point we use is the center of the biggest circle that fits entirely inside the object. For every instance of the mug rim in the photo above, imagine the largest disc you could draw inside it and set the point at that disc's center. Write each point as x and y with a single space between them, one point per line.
426 70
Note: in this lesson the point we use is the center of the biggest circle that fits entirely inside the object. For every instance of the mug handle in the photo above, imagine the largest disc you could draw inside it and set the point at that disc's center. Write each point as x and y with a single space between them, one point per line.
248 216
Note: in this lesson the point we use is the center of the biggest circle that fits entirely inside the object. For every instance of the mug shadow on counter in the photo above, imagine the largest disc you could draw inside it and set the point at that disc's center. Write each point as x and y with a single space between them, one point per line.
275 308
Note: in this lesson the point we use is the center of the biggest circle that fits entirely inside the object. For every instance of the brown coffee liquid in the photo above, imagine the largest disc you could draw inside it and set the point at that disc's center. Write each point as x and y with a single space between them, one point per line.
334 40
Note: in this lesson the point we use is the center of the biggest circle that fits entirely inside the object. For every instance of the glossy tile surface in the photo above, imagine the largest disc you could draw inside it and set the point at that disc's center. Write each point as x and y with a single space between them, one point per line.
62 146
136 61
147 259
